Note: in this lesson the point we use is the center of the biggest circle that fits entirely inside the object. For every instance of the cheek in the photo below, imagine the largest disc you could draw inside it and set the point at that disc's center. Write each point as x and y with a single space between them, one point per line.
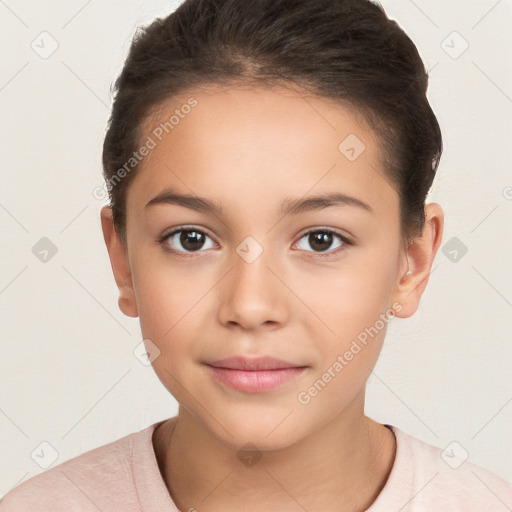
356 304
168 294
346 359
353 297
169 306
171 301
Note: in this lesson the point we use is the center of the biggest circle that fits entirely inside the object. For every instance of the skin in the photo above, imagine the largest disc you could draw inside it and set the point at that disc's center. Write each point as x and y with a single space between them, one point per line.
248 149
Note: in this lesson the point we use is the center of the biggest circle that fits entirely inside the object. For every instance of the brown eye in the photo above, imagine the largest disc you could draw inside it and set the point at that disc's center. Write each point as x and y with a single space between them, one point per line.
186 240
191 240
321 241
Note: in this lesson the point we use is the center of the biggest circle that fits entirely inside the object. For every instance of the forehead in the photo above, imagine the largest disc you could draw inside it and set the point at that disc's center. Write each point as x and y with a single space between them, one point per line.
252 146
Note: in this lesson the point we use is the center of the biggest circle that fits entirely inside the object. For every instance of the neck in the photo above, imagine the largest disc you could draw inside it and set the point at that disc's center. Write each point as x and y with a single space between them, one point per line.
342 466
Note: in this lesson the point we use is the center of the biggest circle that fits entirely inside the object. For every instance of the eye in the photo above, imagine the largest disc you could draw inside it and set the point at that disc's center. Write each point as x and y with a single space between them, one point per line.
320 239
185 240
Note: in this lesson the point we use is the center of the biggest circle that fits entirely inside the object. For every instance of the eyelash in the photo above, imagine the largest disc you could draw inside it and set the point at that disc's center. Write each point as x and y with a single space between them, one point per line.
344 239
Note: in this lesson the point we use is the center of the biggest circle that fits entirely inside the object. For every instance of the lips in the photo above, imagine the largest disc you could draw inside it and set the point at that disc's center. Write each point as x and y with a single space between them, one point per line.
254 375
253 364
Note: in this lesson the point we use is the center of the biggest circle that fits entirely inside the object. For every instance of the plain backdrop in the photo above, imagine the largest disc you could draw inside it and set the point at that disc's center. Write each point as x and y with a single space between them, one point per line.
68 376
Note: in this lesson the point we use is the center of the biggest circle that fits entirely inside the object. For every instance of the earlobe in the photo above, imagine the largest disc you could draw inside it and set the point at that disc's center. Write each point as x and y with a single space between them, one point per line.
119 261
419 258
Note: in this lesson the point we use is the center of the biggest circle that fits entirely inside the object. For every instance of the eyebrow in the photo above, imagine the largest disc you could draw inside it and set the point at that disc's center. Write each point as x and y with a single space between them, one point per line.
290 206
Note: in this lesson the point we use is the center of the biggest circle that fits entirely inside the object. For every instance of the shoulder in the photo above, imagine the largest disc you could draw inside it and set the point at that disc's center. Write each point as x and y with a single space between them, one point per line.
445 479
91 481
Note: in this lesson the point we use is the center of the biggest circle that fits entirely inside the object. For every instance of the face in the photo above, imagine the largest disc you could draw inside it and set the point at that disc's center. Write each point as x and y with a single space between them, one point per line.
264 270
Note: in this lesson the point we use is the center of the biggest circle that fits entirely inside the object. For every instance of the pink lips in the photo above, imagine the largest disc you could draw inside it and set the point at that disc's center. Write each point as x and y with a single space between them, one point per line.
254 375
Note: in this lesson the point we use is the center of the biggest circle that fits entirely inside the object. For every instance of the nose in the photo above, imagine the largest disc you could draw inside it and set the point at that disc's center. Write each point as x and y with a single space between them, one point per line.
252 296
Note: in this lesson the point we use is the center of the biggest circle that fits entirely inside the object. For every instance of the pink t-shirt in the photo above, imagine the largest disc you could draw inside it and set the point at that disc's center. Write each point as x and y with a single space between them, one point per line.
123 476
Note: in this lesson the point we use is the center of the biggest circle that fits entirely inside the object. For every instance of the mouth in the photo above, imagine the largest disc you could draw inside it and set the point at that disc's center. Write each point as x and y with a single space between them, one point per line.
254 375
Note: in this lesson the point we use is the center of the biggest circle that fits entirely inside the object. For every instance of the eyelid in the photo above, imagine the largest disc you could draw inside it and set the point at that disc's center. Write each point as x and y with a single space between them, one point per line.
186 227
346 238
346 241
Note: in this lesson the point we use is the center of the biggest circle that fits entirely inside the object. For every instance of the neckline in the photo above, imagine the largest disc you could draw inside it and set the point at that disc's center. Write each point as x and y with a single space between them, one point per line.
149 483
398 488
154 495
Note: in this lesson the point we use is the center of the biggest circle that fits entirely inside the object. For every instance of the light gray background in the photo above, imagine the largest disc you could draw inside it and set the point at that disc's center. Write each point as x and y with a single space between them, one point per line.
68 376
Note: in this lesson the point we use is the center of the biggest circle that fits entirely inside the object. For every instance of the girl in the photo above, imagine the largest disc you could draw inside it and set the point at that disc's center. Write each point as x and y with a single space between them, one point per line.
290 142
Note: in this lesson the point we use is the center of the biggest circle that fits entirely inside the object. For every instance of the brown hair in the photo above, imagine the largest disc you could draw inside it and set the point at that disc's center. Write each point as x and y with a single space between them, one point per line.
346 50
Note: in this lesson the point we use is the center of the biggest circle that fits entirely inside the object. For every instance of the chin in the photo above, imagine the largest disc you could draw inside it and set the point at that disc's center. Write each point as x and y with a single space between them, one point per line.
266 433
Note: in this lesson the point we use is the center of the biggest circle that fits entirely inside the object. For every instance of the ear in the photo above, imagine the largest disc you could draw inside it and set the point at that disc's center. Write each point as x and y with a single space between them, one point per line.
417 262
118 254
